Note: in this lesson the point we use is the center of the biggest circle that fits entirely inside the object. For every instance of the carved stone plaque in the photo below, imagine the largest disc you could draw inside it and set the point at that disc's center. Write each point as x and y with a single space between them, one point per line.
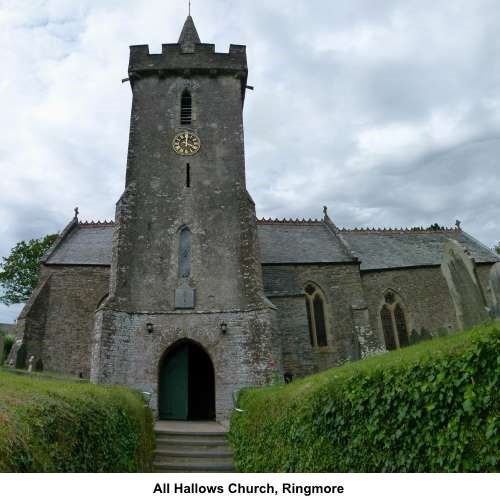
184 298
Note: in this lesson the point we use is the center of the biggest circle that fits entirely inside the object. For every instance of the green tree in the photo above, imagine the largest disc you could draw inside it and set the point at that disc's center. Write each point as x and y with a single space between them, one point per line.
497 247
20 270
435 227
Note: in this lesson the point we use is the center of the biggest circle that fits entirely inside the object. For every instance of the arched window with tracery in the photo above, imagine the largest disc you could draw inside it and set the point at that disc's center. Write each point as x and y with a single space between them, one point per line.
394 325
315 306
186 108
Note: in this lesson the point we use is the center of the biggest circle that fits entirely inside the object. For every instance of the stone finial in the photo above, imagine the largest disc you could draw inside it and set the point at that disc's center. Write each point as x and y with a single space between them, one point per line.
189 34
77 212
457 223
325 211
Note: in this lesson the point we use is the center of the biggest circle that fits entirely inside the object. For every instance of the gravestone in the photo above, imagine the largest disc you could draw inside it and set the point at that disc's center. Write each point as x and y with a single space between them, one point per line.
414 337
495 290
30 363
2 339
17 355
459 270
425 335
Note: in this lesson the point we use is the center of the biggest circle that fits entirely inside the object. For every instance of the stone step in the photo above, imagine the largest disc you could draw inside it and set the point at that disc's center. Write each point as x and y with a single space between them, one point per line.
190 442
183 467
192 448
209 455
182 448
198 436
194 433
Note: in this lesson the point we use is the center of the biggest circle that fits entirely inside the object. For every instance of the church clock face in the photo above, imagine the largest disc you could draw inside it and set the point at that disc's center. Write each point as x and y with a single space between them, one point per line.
186 143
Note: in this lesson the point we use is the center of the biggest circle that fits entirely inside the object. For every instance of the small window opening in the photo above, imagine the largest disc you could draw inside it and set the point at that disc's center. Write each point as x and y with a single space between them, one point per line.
319 318
388 328
186 108
394 325
185 253
188 175
316 320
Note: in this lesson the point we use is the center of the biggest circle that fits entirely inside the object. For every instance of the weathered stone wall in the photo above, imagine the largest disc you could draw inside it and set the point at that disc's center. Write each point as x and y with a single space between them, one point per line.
345 305
483 276
124 352
68 318
468 296
157 202
424 292
30 331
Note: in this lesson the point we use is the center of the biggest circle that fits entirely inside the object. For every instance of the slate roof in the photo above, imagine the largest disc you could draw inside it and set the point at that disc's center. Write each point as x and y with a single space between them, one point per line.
297 242
85 244
394 249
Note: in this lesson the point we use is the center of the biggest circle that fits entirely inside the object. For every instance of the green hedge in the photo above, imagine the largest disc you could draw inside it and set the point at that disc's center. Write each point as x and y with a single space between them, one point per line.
432 407
56 426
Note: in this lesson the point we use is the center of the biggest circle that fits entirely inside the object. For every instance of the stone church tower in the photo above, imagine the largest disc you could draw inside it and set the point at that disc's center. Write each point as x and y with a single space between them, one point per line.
188 297
186 318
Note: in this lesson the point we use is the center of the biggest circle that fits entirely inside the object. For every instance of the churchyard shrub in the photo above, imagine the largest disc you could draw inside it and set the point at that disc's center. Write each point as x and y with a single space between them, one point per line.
432 407
7 346
57 426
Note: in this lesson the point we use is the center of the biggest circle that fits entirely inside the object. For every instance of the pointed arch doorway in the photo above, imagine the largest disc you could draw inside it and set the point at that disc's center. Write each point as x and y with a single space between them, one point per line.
186 390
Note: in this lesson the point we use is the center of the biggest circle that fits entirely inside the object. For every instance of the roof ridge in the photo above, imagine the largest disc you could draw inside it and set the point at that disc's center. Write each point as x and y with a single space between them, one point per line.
288 221
406 230
96 224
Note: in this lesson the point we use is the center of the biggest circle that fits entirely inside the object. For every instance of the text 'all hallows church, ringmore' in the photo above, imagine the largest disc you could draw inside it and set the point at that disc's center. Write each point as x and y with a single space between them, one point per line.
188 296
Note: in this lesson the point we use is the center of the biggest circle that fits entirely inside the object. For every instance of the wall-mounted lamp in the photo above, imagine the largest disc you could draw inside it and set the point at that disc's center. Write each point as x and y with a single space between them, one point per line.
150 327
223 327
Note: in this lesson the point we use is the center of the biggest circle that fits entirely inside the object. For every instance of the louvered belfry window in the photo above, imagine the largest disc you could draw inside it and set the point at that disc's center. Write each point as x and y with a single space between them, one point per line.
315 306
186 108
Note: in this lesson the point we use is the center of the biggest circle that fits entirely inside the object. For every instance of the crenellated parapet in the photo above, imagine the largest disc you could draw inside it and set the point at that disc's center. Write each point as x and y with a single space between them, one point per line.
176 60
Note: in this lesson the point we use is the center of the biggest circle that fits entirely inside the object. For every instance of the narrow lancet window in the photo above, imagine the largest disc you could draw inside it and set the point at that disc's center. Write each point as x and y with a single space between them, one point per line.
186 108
393 318
319 318
315 308
185 253
399 317
388 328
188 175
309 321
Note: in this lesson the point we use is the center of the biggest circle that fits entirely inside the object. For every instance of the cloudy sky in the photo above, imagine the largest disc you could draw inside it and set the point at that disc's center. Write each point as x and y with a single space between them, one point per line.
386 111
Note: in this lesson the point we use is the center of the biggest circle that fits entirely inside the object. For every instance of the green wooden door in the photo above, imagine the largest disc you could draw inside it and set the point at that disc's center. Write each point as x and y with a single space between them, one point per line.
173 398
